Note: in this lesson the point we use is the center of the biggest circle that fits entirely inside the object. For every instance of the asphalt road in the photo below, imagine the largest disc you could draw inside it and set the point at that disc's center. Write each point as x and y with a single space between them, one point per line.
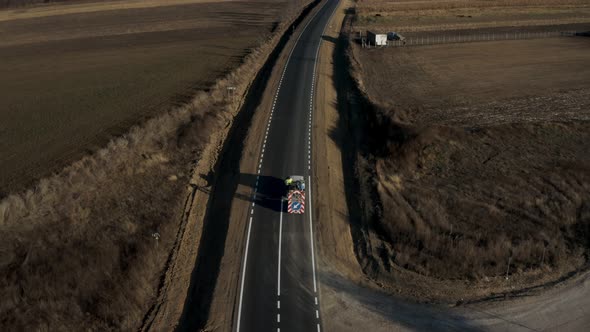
278 286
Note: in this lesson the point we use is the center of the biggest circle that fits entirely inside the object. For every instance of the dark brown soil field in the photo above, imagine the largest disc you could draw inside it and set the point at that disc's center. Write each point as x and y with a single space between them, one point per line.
481 163
70 82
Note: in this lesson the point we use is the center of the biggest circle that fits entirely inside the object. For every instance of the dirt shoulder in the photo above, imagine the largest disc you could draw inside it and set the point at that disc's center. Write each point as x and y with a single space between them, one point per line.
334 238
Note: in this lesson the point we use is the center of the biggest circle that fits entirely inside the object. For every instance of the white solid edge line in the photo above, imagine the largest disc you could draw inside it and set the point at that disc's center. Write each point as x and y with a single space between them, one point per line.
315 288
280 241
244 273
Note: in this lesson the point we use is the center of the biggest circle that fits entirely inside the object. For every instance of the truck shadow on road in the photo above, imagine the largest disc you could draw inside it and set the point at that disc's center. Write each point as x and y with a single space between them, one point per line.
267 191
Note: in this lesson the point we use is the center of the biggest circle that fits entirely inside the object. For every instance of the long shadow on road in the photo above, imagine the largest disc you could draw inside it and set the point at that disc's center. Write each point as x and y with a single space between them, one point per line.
269 191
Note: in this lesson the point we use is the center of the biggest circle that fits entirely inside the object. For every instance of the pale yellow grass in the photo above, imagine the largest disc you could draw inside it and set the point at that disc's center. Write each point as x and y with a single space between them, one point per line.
77 8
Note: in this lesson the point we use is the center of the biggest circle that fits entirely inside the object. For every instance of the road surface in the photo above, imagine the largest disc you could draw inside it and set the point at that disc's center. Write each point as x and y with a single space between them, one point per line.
278 285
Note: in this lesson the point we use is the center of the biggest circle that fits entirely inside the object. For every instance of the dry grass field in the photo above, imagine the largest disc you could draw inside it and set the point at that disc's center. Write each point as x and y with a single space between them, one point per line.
481 159
72 81
430 15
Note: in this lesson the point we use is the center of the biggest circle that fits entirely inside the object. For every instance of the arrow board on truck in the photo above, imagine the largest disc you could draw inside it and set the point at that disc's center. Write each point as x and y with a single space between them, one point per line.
296 202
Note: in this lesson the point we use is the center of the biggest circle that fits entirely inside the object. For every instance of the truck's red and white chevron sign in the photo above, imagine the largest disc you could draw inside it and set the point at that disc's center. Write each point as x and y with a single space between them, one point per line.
296 200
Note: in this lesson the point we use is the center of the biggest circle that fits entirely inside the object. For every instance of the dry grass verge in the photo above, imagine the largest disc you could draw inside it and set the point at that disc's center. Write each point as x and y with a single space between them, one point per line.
79 250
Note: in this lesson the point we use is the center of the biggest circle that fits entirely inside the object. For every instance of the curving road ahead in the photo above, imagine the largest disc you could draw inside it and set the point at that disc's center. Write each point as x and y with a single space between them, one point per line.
278 286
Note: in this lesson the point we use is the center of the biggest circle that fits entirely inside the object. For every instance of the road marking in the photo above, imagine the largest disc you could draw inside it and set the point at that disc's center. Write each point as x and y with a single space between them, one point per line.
315 288
316 300
317 314
278 318
279 304
244 272
280 241
318 327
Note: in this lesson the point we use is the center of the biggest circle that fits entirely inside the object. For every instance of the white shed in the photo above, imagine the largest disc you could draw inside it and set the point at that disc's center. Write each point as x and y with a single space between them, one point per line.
376 39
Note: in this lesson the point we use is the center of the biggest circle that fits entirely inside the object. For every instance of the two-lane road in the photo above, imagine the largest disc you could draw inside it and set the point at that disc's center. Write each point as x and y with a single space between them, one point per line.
278 286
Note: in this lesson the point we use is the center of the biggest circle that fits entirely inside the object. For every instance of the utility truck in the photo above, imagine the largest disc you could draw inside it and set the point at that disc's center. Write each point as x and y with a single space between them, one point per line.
295 194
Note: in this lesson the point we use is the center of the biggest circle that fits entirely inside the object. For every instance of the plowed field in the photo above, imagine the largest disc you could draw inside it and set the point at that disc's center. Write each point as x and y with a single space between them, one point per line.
75 75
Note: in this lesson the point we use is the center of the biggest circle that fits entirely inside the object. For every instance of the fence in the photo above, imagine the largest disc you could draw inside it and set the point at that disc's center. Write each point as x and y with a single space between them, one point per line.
448 39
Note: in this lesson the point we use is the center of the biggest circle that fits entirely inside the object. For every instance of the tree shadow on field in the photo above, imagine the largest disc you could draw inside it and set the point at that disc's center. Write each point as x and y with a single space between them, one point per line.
329 39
